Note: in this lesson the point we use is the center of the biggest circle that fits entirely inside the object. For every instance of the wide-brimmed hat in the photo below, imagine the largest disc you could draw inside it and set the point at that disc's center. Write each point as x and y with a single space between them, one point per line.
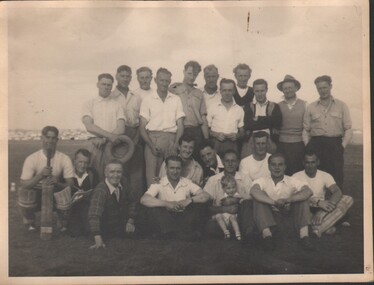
122 149
288 78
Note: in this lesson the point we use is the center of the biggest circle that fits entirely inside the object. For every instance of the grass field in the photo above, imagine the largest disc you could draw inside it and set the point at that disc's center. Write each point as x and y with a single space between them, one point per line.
67 256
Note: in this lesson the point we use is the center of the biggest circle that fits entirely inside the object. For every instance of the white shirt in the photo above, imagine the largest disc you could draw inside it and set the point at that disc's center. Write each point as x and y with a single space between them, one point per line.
113 189
283 190
211 99
318 183
61 165
105 112
260 108
143 93
253 168
225 121
162 115
80 179
165 191
242 91
130 105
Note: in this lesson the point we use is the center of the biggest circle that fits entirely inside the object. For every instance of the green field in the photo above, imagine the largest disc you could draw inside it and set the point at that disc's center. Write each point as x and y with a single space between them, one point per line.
67 256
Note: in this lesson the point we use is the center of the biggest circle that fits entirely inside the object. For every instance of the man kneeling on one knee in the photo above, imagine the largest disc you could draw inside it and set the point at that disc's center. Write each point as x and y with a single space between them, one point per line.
326 211
281 194
175 205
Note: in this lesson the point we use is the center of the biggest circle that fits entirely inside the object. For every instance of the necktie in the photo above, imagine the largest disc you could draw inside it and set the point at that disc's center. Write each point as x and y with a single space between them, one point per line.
116 193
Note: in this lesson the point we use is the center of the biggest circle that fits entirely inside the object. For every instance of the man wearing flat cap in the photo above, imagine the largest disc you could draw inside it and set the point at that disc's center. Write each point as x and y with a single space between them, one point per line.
290 134
328 129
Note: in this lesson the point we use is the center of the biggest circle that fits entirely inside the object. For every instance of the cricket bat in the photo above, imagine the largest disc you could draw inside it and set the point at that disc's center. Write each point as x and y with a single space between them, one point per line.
46 220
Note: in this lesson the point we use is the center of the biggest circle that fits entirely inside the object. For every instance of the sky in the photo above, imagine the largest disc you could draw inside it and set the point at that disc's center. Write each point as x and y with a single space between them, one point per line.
55 54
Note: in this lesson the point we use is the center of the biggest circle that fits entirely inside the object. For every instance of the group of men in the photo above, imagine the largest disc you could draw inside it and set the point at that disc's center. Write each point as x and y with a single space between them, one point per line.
286 158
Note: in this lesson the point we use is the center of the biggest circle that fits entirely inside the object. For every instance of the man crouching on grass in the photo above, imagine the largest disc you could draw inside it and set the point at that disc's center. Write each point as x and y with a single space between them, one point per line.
281 194
176 205
112 209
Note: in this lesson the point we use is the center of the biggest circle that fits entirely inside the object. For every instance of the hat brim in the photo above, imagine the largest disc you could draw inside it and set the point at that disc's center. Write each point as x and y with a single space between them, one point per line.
297 83
122 149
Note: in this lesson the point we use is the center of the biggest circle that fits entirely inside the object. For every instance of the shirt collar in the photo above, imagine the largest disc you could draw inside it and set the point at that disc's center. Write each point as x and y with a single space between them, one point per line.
292 104
255 102
83 176
111 187
221 104
165 181
238 175
332 100
156 96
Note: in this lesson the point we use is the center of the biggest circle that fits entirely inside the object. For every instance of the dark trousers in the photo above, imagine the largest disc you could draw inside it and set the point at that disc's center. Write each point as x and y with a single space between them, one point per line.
222 147
163 221
294 154
331 156
197 134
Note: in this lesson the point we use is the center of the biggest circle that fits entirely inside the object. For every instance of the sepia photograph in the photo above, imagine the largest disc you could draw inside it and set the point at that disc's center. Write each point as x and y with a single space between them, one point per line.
178 142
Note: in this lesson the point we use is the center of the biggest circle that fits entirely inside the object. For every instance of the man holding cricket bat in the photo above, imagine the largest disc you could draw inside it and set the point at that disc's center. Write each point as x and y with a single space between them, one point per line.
48 166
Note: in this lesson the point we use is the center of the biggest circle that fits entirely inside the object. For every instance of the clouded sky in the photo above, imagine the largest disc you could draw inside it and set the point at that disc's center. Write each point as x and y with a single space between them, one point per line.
55 54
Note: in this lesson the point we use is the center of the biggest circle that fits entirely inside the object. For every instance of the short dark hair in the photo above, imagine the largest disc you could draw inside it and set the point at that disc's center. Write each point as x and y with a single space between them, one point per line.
173 158
310 152
114 161
47 129
196 67
210 67
124 68
186 138
163 70
228 151
242 66
206 143
260 82
83 152
105 75
144 68
260 134
275 155
227 81
228 179
323 78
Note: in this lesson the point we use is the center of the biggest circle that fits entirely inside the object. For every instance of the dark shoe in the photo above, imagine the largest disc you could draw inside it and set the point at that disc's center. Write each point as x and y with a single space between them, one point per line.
30 228
268 243
307 244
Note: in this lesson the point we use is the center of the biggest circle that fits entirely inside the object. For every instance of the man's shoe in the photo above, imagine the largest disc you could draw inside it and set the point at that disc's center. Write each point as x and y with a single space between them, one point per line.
331 231
30 228
268 243
307 244
345 224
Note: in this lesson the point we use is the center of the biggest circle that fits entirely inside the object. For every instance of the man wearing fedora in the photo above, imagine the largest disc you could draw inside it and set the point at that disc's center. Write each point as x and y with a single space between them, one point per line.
290 134
103 118
35 170
112 207
328 129
161 124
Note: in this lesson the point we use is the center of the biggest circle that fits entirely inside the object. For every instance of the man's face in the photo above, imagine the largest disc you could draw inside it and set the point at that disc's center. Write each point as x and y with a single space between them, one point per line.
277 167
49 141
209 157
289 89
144 79
186 149
242 76
163 81
105 87
227 91
81 163
230 189
190 75
230 163
173 170
123 78
311 164
211 78
324 89
113 172
260 91
260 145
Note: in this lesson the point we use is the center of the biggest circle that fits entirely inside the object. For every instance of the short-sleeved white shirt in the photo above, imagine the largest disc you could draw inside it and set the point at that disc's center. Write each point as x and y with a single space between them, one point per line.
253 168
214 187
105 112
318 184
283 190
165 191
225 121
162 115
211 99
130 105
143 93
61 164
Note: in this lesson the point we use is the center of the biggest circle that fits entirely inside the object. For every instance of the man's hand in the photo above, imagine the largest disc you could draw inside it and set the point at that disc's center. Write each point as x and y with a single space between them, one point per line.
220 136
173 206
328 206
280 203
173 149
228 201
47 171
113 138
98 142
51 180
184 203
98 243
130 227
233 209
233 136
156 180
318 217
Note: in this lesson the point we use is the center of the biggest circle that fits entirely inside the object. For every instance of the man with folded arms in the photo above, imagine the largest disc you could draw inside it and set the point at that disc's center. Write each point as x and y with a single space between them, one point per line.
175 205
281 194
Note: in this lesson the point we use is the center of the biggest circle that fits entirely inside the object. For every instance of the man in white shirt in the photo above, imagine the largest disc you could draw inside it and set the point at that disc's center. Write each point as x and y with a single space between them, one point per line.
225 119
326 211
161 124
256 165
35 170
212 163
211 90
281 194
103 118
175 205
144 77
